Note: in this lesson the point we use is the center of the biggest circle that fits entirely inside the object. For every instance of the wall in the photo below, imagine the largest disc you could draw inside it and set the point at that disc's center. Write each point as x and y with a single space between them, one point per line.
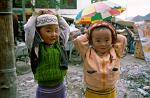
71 13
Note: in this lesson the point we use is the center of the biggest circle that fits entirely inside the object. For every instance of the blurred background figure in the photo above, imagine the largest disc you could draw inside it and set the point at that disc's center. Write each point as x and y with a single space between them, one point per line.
15 28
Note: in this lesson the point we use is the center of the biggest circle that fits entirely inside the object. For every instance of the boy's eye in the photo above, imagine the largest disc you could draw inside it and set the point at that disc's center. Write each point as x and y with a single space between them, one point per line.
48 31
56 30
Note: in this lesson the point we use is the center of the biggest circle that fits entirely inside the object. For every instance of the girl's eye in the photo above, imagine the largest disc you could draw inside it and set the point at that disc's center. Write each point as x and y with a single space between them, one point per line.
98 41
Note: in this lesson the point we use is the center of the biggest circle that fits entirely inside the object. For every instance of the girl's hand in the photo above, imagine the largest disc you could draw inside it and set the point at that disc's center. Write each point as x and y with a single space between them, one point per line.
74 35
120 45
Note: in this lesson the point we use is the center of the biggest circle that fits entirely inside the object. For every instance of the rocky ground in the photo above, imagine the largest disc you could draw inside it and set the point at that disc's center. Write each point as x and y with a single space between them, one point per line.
134 81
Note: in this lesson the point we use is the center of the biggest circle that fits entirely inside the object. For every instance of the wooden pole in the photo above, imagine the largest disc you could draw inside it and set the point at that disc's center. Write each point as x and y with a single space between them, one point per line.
7 56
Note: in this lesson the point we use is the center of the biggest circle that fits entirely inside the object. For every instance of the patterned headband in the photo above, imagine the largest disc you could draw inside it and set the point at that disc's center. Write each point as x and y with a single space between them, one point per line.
46 19
101 24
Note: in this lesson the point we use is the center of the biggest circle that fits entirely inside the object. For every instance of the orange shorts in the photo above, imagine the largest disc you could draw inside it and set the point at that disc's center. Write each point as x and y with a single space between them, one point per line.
95 94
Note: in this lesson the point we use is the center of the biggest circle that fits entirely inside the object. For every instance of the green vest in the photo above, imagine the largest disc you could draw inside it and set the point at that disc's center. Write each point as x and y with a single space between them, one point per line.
48 72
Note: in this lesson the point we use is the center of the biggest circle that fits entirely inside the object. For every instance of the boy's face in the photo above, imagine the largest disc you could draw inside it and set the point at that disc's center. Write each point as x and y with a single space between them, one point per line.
101 40
49 33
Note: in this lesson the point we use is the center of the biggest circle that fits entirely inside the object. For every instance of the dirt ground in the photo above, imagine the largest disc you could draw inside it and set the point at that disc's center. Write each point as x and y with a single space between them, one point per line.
135 74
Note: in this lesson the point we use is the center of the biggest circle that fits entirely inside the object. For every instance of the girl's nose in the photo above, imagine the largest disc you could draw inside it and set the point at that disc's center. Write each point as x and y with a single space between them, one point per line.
103 43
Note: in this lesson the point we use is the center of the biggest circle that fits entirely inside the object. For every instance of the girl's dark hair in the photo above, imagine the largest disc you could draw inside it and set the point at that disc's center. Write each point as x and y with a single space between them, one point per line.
114 35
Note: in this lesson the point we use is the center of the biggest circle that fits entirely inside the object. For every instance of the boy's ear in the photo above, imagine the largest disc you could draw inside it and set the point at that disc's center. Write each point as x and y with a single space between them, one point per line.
36 49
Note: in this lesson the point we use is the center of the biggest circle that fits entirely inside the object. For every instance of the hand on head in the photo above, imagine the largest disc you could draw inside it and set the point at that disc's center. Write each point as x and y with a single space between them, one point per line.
41 12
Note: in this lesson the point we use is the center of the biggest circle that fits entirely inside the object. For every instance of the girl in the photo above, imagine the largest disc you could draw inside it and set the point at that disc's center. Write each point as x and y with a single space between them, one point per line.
47 57
101 50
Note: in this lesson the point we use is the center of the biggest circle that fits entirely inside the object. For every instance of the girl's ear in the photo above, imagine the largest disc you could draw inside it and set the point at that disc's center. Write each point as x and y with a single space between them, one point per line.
90 41
114 37
90 37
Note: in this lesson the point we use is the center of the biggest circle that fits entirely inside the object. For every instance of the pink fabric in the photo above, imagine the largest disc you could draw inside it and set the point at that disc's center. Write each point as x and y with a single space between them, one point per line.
101 7
114 12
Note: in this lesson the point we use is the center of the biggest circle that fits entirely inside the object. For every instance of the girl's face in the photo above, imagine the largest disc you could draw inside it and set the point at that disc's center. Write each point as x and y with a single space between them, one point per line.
49 33
102 40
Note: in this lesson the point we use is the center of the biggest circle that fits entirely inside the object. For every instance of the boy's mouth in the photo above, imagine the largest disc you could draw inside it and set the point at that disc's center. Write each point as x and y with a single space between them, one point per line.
53 39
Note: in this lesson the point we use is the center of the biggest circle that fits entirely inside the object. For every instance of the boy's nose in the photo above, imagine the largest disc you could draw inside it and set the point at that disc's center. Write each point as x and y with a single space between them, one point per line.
54 34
